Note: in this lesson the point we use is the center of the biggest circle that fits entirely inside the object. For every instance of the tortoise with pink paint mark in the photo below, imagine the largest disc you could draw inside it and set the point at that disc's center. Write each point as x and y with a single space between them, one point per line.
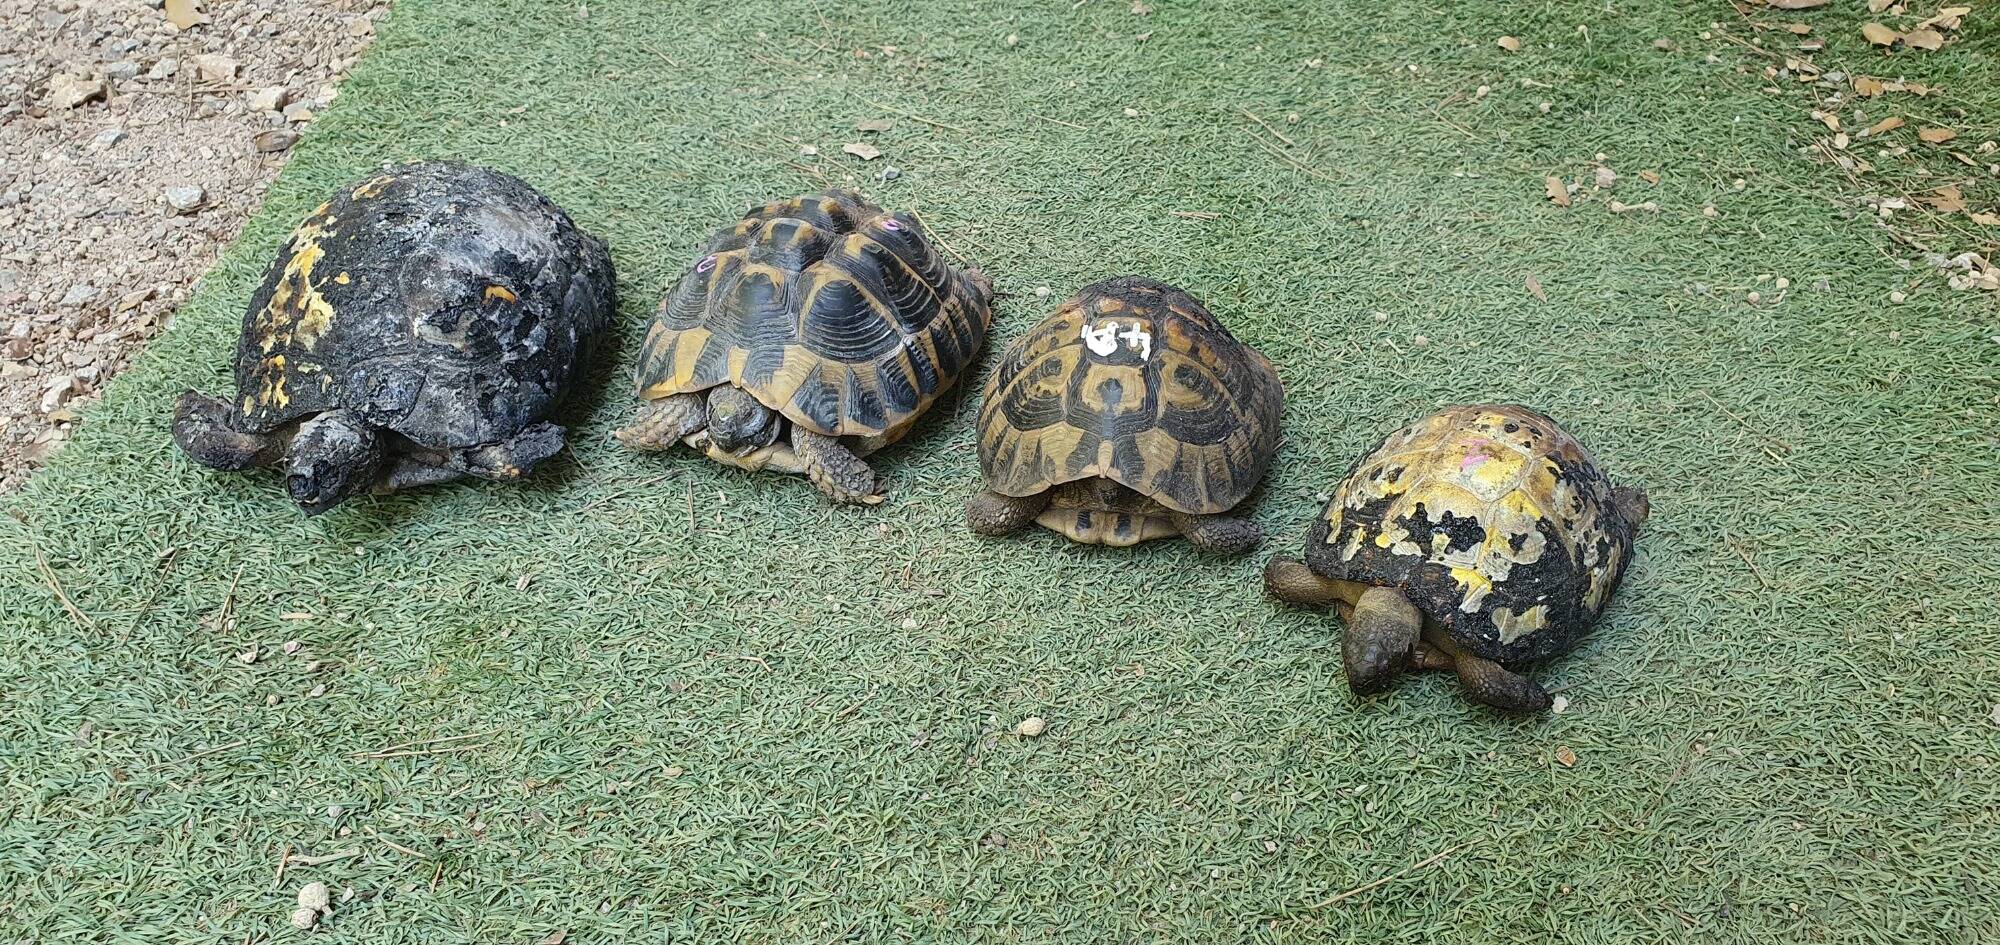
1478 538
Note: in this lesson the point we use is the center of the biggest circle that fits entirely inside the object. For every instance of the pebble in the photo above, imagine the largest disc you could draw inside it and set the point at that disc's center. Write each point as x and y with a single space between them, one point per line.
124 70
1042 292
315 896
270 99
69 91
107 138
78 294
186 198
304 919
1031 727
1421 341
1897 297
215 67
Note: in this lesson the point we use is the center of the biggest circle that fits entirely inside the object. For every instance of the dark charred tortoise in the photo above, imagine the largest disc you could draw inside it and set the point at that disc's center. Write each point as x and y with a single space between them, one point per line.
418 327
1128 414
809 334
1481 537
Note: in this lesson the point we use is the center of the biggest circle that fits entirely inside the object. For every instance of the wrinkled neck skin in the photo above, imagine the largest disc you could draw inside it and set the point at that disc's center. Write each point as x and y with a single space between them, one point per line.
738 424
333 457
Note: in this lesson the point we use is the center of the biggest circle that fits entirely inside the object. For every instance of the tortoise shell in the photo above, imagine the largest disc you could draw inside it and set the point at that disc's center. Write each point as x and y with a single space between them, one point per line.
1494 522
836 313
1134 381
450 303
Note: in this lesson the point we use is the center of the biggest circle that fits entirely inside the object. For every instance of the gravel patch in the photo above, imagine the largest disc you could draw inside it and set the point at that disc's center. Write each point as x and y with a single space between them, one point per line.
131 151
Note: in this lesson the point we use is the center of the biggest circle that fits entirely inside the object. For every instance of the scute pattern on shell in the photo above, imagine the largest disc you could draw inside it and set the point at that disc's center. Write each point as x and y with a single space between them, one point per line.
1495 522
1172 407
826 308
451 303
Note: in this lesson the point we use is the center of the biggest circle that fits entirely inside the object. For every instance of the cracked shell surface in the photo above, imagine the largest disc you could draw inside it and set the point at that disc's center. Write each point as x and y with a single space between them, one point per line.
1495 522
450 303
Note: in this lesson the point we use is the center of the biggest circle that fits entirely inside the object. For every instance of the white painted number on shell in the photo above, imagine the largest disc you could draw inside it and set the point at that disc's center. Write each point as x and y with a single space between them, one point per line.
1105 338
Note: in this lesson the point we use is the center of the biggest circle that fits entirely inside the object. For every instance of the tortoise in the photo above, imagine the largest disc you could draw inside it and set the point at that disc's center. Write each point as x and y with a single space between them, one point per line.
418 327
1129 414
1478 538
809 334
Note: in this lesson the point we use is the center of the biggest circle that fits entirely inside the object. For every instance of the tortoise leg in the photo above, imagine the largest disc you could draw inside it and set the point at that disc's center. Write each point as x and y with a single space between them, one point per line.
1632 503
661 423
514 457
1381 633
834 468
409 472
1218 534
990 513
1487 682
202 429
1428 657
1290 580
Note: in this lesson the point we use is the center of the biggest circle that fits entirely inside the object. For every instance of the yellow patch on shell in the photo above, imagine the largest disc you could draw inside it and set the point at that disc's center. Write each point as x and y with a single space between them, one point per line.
295 318
373 187
1514 626
500 292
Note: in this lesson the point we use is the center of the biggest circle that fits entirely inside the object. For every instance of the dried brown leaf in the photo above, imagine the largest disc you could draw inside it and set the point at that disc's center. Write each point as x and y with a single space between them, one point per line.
1509 43
1923 39
1985 219
554 938
1566 757
874 125
1947 199
1650 177
185 14
1949 18
1936 135
862 150
1798 29
1867 87
1885 126
1558 194
1880 35
1798 4
1830 120
1877 6
1535 288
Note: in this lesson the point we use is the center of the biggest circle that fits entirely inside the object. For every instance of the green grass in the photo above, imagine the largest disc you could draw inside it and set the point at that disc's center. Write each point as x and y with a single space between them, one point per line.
720 710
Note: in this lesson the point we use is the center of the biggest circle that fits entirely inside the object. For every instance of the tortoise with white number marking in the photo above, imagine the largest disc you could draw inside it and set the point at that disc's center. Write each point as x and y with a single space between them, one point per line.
1480 537
419 327
808 335
1128 414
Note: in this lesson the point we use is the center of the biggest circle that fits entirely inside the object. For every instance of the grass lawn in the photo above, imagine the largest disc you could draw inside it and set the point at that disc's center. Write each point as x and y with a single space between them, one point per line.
709 707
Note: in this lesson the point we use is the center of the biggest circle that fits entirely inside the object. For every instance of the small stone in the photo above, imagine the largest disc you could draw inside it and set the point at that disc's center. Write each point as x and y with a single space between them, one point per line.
1783 283
1897 297
1042 292
106 138
1381 316
275 140
248 656
909 623
1131 113
674 771
19 349
69 91
164 69
78 294
124 70
1012 40
1559 705
186 198
301 112
304 919
1754 297
314 896
215 67
316 691
1421 341
292 646
1606 177
1031 727
270 99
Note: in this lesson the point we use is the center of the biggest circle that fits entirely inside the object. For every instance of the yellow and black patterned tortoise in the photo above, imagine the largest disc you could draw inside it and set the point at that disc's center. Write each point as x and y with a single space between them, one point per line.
1480 537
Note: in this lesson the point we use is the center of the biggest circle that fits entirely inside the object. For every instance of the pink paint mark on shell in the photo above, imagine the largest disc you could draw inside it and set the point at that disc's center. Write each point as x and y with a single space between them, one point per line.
707 263
891 224
1473 459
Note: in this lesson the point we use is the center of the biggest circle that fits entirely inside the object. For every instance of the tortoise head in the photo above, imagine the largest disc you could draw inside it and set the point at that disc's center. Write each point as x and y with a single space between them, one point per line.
334 457
738 424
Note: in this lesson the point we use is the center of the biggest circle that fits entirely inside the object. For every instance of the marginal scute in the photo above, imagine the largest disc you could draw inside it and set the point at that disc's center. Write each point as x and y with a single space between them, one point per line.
826 308
1495 523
